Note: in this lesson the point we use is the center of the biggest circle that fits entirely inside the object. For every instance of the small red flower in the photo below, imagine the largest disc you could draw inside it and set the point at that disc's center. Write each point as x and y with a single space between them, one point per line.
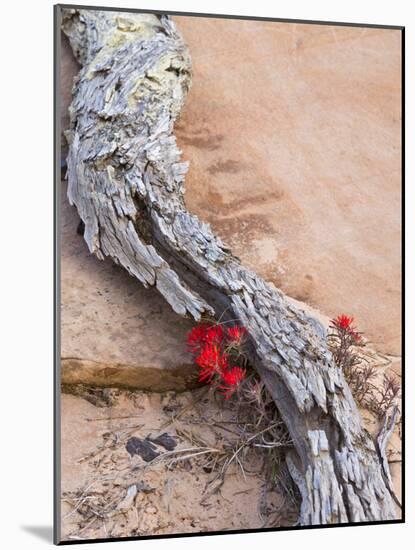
343 322
196 338
236 334
231 379
356 336
211 362
203 334
214 334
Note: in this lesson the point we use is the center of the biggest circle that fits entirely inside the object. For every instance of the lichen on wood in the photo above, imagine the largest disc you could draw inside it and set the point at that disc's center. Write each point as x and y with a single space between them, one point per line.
126 179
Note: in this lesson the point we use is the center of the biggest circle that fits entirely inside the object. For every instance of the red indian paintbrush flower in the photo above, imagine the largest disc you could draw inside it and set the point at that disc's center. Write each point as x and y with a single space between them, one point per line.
356 336
211 361
203 334
236 334
214 334
231 379
344 323
195 338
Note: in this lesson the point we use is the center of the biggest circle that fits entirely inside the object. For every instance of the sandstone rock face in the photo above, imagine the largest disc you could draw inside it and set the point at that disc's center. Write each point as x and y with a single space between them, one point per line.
293 136
293 133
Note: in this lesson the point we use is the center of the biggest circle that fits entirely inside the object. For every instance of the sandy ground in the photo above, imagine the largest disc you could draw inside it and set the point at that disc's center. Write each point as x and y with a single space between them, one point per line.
98 474
107 493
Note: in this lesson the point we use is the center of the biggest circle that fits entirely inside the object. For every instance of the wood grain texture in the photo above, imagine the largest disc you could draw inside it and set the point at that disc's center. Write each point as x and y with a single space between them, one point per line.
127 182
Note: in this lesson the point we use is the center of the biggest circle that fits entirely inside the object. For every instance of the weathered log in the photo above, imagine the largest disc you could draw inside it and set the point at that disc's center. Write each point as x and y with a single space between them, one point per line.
127 182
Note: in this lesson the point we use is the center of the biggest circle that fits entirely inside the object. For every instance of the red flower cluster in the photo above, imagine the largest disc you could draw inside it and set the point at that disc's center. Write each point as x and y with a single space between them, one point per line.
212 347
344 324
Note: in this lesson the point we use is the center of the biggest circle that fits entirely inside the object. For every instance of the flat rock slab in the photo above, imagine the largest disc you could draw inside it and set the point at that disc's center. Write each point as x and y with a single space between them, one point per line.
293 136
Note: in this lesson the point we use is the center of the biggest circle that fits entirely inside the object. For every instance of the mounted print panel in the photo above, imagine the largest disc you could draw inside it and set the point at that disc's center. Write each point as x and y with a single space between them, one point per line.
229 274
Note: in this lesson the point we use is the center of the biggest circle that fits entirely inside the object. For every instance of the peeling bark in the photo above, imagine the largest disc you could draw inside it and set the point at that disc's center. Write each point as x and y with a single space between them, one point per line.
127 181
382 441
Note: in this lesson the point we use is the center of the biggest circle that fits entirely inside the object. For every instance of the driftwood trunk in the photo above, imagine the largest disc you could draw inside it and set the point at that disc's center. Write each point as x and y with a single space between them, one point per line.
127 182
